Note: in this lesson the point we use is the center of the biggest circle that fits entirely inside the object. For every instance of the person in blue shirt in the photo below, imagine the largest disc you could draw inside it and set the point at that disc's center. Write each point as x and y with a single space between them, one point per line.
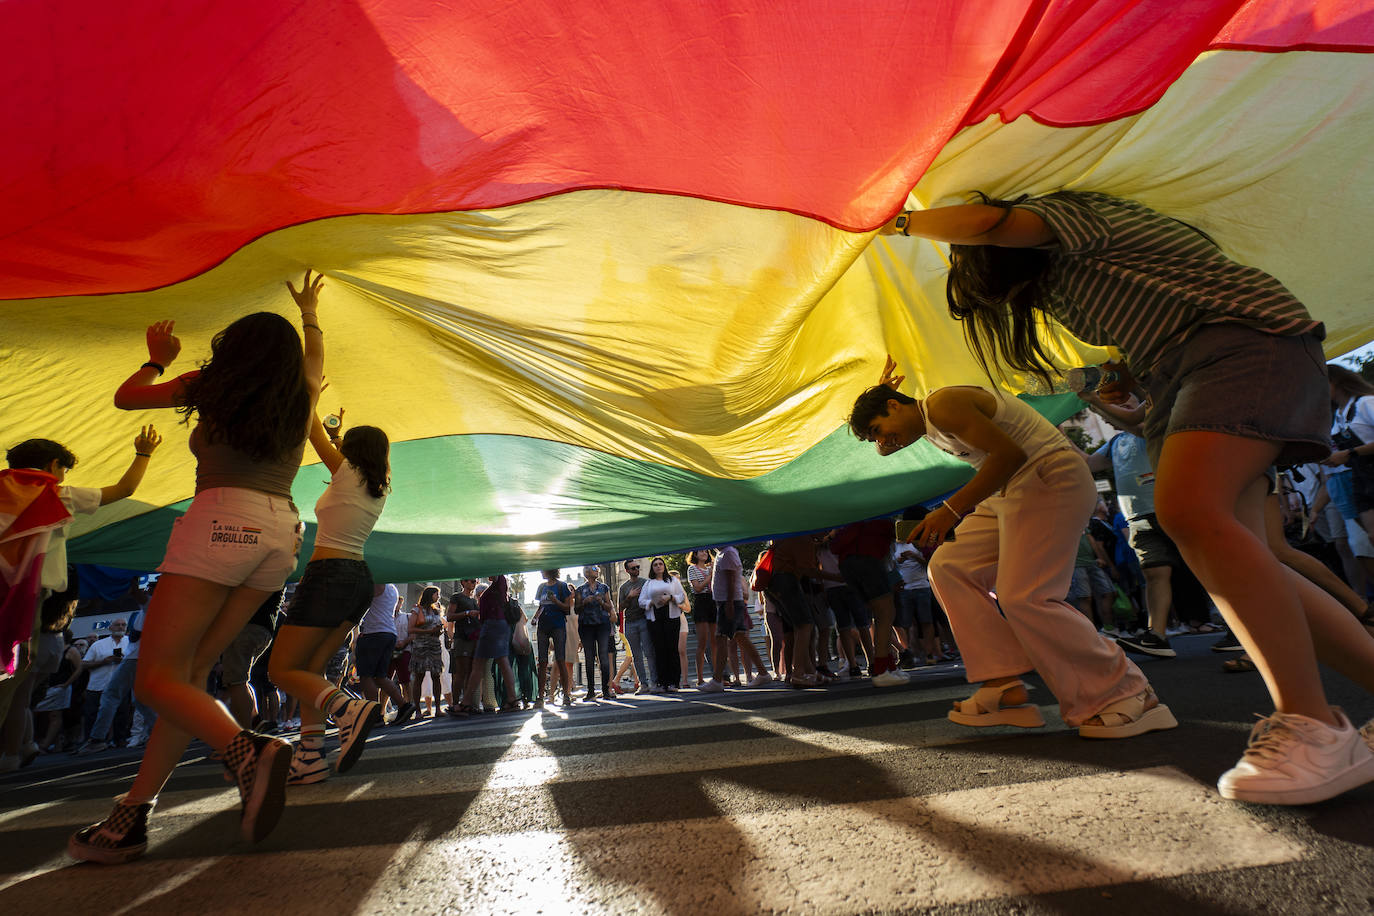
551 620
595 610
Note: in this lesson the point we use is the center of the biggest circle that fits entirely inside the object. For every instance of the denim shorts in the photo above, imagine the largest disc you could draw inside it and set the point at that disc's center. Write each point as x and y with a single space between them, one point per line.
332 592
866 575
849 609
912 607
232 536
731 617
1089 582
1341 488
1230 378
494 641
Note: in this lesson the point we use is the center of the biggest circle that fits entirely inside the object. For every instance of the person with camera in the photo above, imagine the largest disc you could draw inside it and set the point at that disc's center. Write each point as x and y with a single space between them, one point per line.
101 660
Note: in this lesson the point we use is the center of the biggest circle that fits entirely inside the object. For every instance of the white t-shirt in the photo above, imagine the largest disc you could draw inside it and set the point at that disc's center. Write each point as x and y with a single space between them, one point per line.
346 512
380 616
727 560
1361 423
79 501
100 650
911 565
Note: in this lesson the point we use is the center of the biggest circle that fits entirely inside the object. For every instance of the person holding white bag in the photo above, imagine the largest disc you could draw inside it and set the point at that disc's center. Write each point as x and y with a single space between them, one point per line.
662 599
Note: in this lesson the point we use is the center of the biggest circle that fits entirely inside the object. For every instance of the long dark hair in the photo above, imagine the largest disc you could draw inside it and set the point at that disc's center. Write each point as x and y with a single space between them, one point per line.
429 598
367 448
667 577
1349 383
995 293
251 393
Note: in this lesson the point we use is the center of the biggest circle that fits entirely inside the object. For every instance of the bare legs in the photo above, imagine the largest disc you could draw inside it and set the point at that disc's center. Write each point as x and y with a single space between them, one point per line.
189 623
299 657
1209 495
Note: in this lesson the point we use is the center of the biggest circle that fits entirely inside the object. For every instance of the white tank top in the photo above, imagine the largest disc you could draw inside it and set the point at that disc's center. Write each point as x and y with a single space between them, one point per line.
1036 435
346 512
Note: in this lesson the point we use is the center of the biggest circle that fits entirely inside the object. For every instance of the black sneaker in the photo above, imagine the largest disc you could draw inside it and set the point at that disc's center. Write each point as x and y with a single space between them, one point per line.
403 714
261 778
1147 643
855 671
121 837
905 660
1228 643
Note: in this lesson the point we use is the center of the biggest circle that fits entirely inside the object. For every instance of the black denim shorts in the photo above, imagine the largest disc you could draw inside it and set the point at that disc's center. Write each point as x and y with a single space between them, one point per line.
330 593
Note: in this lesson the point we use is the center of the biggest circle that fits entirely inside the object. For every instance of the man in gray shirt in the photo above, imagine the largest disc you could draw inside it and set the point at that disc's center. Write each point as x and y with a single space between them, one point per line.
637 630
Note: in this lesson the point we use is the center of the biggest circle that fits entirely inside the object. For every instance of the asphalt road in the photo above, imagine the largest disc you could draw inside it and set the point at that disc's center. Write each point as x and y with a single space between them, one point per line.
841 800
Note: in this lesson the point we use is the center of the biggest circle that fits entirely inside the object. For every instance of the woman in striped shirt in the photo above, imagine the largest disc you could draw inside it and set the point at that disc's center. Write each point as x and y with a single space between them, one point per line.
1233 367
703 607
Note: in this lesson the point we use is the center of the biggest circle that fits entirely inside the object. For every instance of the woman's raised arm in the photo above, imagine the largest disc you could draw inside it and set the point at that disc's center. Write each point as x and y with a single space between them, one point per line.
973 224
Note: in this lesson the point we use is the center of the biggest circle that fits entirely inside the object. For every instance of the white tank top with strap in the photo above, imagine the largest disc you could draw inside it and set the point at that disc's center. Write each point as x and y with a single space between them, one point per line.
1036 435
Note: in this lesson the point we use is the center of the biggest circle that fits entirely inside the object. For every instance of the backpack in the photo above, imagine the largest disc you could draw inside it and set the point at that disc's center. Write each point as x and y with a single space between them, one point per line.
763 572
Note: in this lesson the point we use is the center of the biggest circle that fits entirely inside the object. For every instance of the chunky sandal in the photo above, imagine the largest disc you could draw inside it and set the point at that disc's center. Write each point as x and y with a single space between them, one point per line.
1129 717
985 708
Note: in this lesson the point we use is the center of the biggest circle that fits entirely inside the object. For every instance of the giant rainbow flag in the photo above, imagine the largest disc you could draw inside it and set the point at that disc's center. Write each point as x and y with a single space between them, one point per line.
606 273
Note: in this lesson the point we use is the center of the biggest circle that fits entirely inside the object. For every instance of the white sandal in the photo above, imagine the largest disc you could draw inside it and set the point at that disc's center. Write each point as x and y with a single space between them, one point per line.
985 708
1129 717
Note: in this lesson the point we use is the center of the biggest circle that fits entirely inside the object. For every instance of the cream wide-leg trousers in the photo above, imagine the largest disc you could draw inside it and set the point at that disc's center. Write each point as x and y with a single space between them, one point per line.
1020 547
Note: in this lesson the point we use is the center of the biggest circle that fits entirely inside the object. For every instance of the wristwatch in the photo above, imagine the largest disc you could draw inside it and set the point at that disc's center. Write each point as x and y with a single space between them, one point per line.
903 219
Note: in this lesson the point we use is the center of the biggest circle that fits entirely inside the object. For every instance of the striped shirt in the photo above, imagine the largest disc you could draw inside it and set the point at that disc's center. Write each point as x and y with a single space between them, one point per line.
699 577
1126 276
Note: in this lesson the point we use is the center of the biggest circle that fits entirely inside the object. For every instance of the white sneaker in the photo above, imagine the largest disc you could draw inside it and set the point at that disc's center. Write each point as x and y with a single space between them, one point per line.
894 677
1294 760
355 723
712 686
760 680
307 766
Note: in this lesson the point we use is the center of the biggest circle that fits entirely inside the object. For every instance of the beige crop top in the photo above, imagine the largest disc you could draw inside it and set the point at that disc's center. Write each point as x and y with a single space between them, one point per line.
1036 435
346 512
219 464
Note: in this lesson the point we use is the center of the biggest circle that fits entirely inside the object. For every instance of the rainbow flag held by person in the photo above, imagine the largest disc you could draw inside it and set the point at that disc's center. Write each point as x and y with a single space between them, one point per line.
612 290
30 509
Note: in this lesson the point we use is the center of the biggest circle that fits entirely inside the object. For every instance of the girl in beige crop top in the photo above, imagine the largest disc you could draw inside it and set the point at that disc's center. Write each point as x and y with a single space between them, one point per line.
256 392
